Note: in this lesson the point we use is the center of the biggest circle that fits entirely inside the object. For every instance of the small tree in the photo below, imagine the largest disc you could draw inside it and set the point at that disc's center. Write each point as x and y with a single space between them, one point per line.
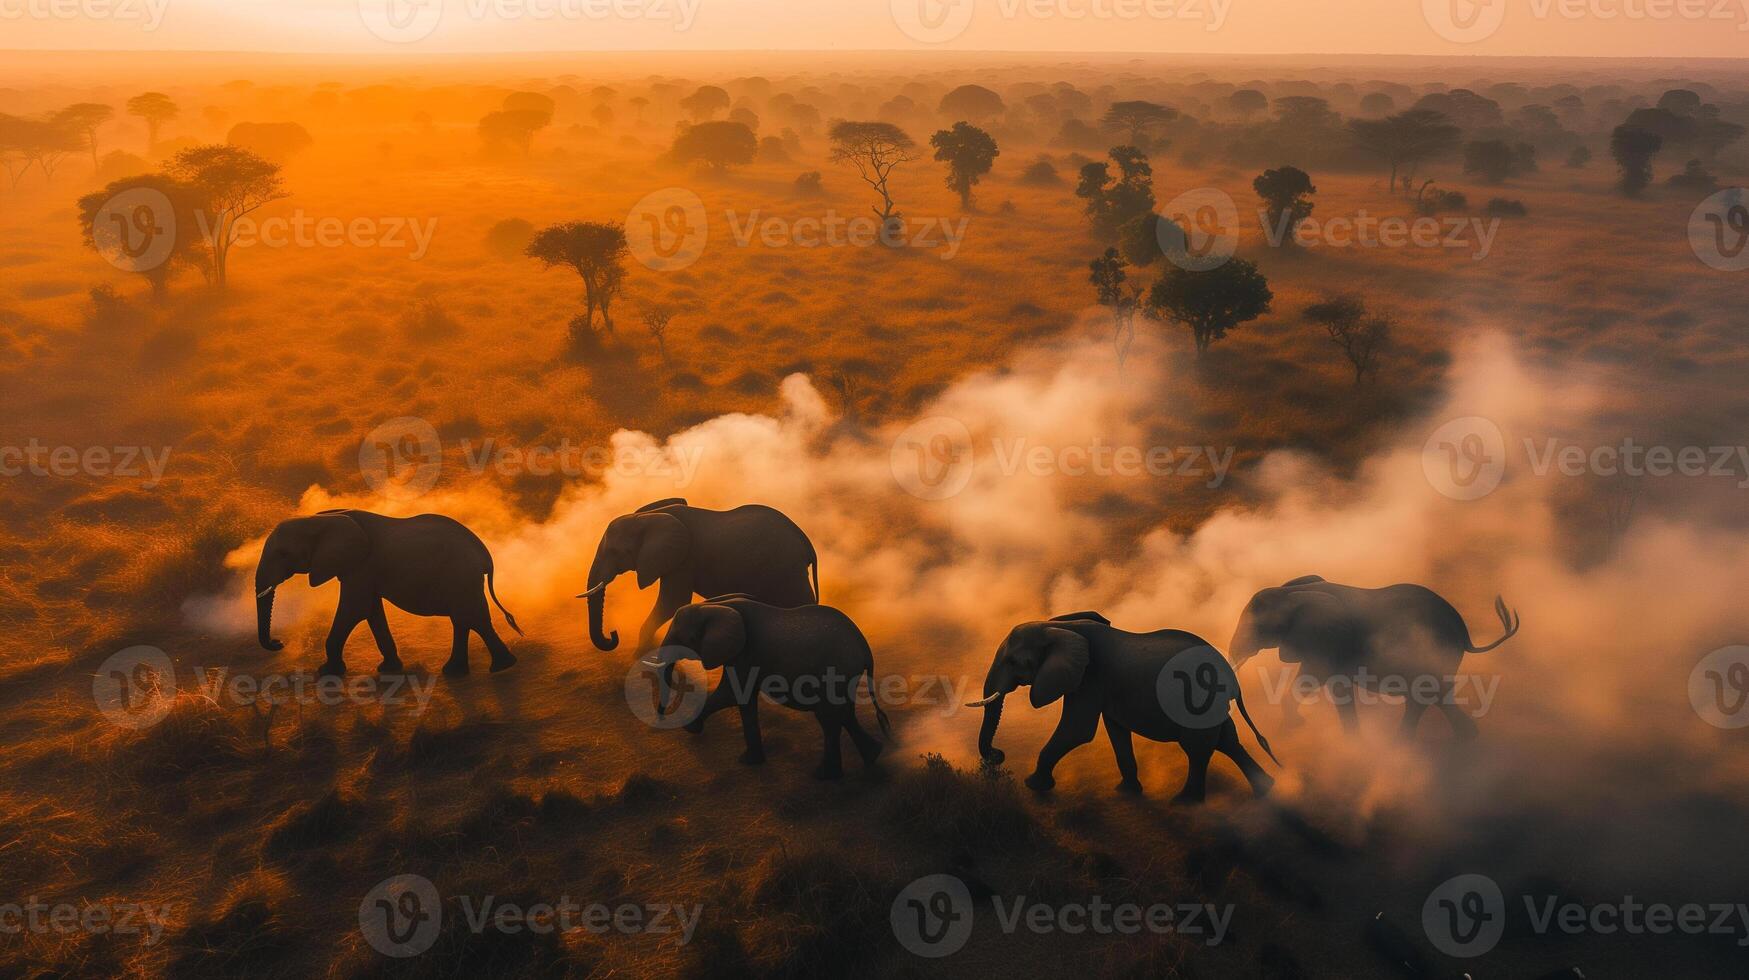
875 149
656 317
230 182
46 142
156 109
1287 198
603 115
596 251
139 236
1135 119
704 103
1577 159
1361 338
1210 302
969 152
974 102
1247 102
84 118
1108 278
1633 150
719 144
1112 204
513 128
1406 139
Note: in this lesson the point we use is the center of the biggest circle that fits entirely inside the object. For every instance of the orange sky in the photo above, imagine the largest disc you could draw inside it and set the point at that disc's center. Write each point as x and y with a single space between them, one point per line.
1614 28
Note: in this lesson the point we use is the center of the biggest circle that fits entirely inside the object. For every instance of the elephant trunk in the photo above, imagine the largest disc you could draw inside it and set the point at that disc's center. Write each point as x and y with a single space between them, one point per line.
266 581
599 576
997 684
1246 641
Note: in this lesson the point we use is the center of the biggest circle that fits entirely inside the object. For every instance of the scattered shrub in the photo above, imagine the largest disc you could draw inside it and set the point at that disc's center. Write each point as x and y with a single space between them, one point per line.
1500 207
809 183
1041 173
508 239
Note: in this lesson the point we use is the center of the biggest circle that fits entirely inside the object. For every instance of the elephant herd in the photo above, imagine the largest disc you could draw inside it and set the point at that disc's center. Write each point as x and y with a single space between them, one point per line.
761 622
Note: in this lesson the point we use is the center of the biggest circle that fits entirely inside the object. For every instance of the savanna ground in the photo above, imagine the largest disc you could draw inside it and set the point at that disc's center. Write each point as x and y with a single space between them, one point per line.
261 834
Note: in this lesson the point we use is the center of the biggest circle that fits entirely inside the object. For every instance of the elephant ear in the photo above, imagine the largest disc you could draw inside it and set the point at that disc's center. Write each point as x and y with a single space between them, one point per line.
341 545
1084 614
665 545
1302 580
724 635
1064 664
1321 621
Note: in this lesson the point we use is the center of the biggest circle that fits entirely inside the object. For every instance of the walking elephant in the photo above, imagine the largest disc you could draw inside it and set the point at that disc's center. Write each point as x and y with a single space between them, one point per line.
1168 685
427 565
1404 638
808 658
751 550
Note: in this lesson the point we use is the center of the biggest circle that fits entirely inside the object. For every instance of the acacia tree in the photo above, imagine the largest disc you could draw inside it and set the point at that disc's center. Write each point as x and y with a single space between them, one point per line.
1212 301
1287 198
46 142
875 149
706 102
156 109
230 183
969 152
1247 102
1136 118
1113 204
1406 139
973 102
720 144
14 140
84 118
1491 160
656 318
138 234
1633 150
596 251
1361 338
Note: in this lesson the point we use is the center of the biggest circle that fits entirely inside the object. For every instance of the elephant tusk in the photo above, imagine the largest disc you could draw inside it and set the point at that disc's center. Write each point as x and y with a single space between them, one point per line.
985 702
654 662
264 593
591 592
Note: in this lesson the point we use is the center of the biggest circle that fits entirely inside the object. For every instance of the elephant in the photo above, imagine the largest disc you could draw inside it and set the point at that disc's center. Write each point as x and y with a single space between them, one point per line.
1136 682
1404 635
808 658
427 565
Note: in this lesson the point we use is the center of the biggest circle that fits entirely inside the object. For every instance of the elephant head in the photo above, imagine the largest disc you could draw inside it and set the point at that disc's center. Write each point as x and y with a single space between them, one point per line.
1049 657
323 547
1292 617
654 544
710 632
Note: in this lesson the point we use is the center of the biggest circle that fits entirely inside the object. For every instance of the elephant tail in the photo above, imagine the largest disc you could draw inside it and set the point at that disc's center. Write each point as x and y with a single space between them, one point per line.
1239 696
880 715
1508 619
493 592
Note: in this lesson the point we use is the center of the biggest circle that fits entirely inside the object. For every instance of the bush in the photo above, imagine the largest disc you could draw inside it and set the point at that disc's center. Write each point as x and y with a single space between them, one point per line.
809 183
581 337
958 809
1435 201
508 239
426 320
1041 173
1500 207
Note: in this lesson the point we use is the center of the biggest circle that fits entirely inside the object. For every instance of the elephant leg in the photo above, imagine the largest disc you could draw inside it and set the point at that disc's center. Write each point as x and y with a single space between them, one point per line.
502 658
457 665
351 611
754 753
1344 703
1413 708
1462 724
1079 724
1290 703
1125 751
831 728
719 698
1199 747
867 745
379 628
1230 746
670 596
